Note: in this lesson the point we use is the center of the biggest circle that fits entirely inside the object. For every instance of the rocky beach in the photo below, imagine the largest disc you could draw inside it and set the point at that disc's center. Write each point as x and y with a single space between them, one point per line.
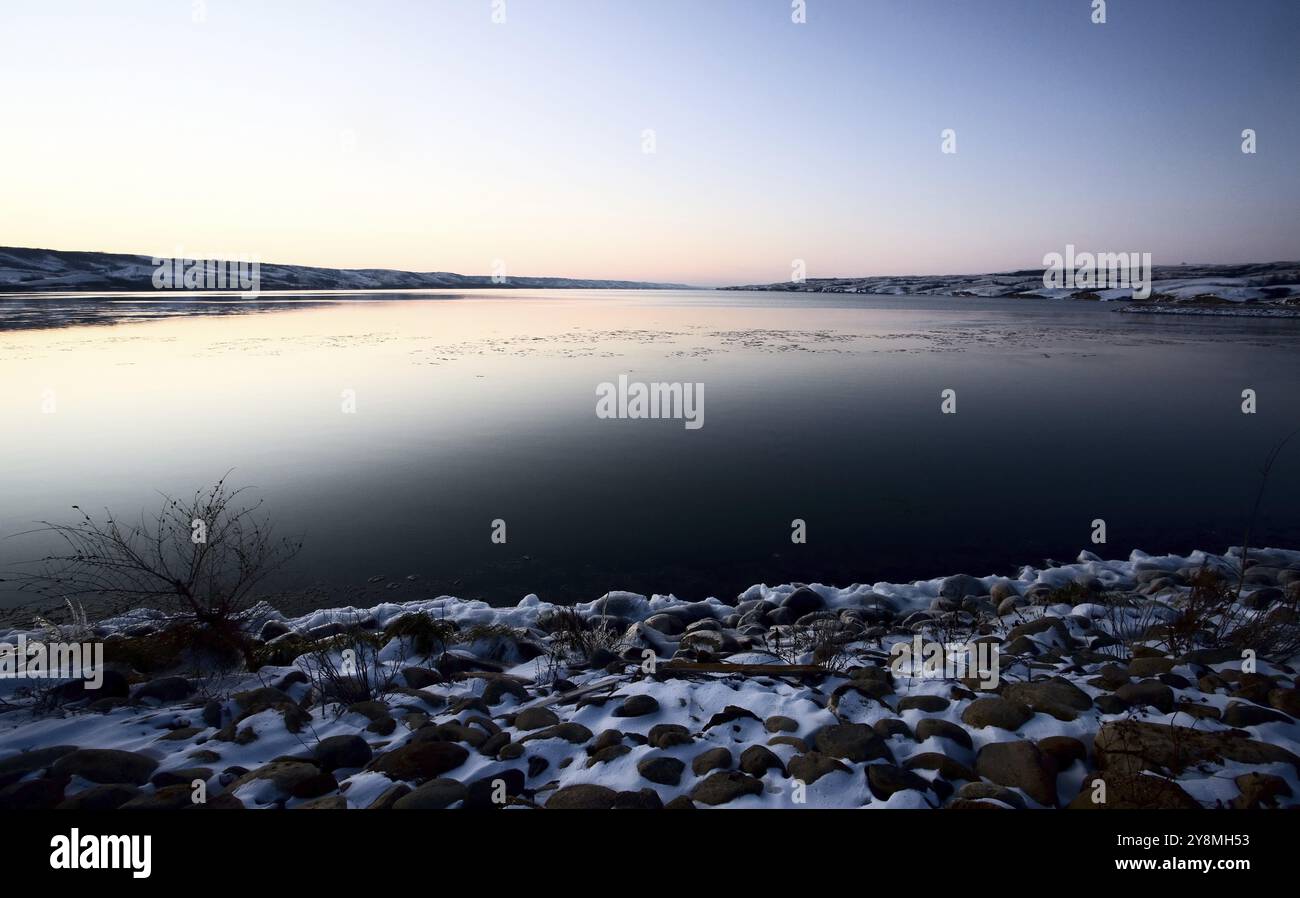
1151 682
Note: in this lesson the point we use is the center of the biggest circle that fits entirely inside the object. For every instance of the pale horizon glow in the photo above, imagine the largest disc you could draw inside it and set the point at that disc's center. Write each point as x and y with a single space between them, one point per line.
424 137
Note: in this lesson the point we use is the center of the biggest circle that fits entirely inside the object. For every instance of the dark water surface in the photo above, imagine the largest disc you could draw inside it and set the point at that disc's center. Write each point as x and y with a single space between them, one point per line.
474 407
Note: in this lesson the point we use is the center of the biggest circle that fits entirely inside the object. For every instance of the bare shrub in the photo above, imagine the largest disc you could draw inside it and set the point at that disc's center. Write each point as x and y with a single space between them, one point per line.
826 642
347 668
1208 615
203 559
1072 593
1212 616
427 635
957 628
1131 622
77 629
574 640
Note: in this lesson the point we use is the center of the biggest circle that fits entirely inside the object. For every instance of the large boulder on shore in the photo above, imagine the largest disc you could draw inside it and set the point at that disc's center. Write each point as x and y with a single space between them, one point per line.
1147 693
420 761
1058 697
281 778
17 766
334 752
995 712
535 719
637 706
1246 714
949 768
106 765
105 797
757 760
803 601
666 735
1065 750
164 689
661 769
852 741
39 794
1123 791
959 586
1132 746
944 729
885 779
436 794
718 758
582 797
265 698
569 731
1260 790
725 786
1019 765
811 766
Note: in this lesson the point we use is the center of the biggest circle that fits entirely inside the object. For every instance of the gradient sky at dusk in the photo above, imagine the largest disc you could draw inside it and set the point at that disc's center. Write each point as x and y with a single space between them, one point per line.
421 135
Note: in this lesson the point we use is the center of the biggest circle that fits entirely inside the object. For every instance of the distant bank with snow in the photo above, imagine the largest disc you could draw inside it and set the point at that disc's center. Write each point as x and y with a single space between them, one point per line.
24 270
1184 288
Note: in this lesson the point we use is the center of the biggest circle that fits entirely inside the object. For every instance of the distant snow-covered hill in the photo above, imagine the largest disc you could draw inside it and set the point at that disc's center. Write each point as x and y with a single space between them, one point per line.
25 270
1257 282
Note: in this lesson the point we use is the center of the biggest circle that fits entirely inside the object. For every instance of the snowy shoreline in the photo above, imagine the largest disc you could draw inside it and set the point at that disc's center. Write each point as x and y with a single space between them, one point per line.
913 596
785 696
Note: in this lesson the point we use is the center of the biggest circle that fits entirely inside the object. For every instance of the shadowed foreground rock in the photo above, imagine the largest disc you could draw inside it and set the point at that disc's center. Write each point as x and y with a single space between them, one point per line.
106 765
1131 746
1139 791
725 786
420 760
1020 765
582 797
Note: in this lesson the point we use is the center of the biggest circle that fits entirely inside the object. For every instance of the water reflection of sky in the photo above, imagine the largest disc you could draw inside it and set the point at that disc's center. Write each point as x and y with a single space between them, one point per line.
477 407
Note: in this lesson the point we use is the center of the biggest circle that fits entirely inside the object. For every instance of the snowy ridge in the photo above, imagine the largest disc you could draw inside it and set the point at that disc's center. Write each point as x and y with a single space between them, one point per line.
1267 282
25 270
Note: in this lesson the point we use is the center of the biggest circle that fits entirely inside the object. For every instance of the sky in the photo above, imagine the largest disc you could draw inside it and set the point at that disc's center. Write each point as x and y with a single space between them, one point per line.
427 136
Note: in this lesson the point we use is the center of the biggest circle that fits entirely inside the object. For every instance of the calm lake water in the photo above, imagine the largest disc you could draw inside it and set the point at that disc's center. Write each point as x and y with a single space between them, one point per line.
481 406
